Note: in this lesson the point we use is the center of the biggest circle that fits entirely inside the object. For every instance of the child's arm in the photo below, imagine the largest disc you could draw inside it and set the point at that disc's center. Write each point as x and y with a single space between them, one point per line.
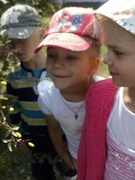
56 136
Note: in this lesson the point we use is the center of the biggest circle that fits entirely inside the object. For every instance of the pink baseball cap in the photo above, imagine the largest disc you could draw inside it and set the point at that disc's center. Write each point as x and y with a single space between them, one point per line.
72 28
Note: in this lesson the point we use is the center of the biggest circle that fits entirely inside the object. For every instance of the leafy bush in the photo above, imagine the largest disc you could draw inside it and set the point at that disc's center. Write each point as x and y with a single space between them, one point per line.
14 164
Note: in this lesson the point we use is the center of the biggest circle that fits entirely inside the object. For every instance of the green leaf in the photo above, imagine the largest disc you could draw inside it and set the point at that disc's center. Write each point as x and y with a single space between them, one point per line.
10 146
14 133
6 140
15 144
7 134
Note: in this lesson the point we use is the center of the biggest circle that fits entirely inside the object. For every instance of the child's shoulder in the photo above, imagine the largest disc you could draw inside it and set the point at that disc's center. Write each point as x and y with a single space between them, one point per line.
15 72
97 78
102 88
45 84
101 94
46 87
104 83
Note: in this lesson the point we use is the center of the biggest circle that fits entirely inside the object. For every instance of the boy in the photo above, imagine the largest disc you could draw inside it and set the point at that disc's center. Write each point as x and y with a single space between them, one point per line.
21 24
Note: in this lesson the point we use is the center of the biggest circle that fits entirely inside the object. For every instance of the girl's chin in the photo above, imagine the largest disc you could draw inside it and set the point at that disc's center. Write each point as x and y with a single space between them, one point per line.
117 83
60 86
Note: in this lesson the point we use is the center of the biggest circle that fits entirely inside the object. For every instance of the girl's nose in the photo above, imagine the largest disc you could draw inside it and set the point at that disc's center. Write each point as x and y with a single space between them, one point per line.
59 63
108 59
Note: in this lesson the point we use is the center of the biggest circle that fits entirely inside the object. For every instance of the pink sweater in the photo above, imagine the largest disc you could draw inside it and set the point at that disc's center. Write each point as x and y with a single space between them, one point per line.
92 150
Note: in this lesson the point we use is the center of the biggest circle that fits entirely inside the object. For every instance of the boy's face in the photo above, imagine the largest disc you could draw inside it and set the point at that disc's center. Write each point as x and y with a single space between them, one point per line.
24 48
120 57
70 70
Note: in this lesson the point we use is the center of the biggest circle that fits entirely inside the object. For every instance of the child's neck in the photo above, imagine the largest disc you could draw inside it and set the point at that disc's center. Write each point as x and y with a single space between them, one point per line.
37 62
129 98
74 97
77 94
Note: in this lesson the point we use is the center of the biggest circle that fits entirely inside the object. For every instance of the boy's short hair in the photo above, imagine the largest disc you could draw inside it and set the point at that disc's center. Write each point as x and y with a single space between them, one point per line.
19 21
72 28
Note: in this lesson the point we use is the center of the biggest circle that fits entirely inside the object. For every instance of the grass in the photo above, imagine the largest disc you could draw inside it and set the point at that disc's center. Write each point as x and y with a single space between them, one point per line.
103 68
45 21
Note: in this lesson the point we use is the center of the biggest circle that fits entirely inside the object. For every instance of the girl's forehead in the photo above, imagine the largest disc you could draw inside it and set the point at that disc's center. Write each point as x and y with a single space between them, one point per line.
111 28
60 50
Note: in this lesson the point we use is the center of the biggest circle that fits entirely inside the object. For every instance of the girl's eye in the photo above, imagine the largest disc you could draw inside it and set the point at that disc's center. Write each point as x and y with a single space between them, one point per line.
118 53
71 57
49 55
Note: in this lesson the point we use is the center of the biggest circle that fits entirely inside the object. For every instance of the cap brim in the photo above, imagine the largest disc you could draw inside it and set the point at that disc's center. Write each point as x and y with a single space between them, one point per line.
18 32
67 41
121 12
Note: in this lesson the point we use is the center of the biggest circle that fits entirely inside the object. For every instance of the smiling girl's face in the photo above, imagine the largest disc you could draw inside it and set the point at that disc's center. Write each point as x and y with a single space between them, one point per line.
70 70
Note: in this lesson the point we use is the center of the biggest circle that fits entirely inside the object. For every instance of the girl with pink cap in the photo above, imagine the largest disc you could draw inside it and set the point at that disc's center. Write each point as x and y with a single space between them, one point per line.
73 39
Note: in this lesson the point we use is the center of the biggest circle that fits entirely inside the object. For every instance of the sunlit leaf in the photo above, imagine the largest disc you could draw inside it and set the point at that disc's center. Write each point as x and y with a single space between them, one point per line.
6 140
31 144
3 98
3 107
18 134
11 109
7 134
10 146
3 82
14 133
15 144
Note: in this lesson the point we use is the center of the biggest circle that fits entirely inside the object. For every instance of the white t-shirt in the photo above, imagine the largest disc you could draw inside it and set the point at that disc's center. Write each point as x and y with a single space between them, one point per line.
122 122
120 162
51 102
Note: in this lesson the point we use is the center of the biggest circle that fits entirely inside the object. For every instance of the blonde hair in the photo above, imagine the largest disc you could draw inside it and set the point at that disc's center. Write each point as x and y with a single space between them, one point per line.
96 46
94 50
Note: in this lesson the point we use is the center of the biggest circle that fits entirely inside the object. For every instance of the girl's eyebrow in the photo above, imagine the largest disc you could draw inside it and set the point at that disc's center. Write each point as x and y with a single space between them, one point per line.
113 46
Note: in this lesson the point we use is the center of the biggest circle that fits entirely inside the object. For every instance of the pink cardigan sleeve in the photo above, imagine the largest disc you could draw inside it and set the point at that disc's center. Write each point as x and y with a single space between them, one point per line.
92 149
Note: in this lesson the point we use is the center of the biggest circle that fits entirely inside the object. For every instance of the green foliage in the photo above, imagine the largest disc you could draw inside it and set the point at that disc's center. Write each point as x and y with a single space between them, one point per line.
14 165
103 69
45 8
7 59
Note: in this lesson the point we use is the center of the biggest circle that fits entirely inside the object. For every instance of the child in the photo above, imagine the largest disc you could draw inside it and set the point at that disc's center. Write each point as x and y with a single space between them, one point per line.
21 24
73 40
107 148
